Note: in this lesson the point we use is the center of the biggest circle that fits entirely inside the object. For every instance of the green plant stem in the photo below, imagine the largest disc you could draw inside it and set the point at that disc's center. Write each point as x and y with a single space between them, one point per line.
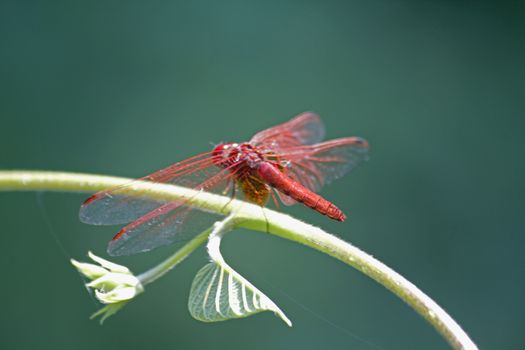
181 254
250 216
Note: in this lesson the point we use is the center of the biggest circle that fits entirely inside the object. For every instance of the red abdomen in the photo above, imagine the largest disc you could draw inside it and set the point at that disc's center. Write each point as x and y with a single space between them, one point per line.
275 178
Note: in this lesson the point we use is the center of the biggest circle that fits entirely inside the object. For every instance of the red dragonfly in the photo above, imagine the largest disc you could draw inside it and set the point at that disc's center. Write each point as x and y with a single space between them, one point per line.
288 161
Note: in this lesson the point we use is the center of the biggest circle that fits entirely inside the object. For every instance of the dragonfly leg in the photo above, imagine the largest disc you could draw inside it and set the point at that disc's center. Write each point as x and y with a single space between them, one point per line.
231 186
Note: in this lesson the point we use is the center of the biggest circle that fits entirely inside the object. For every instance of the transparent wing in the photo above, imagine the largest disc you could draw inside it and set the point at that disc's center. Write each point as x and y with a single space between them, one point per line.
156 223
169 222
305 129
113 206
317 165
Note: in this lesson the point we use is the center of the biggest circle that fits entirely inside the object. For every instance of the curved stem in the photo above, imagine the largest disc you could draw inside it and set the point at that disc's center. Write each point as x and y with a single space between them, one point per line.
181 254
251 216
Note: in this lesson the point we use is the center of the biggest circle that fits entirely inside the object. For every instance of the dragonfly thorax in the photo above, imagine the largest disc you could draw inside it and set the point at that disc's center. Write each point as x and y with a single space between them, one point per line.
233 154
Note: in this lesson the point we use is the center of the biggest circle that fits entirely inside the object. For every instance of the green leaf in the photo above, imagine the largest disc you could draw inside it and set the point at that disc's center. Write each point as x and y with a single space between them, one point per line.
108 311
219 293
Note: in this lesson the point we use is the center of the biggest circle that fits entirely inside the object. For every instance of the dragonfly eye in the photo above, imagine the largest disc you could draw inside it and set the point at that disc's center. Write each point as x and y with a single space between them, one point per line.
222 154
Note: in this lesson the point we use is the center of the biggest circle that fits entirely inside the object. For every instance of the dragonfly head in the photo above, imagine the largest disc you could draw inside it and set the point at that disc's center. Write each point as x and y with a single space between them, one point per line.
225 154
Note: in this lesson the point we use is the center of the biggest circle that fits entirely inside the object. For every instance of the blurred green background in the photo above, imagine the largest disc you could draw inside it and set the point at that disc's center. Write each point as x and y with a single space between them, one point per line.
127 87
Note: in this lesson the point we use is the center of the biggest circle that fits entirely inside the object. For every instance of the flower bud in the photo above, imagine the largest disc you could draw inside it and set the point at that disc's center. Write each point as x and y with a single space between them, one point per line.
113 284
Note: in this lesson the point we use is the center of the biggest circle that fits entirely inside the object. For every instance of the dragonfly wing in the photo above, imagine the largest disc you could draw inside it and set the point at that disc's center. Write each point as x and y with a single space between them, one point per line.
172 222
114 206
110 208
287 200
156 223
317 165
305 129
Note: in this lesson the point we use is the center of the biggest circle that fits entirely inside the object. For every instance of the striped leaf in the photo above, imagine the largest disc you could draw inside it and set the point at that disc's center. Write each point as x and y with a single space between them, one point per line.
219 293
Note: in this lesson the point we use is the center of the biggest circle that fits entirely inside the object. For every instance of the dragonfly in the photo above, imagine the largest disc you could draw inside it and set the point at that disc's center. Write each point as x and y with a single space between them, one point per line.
288 161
